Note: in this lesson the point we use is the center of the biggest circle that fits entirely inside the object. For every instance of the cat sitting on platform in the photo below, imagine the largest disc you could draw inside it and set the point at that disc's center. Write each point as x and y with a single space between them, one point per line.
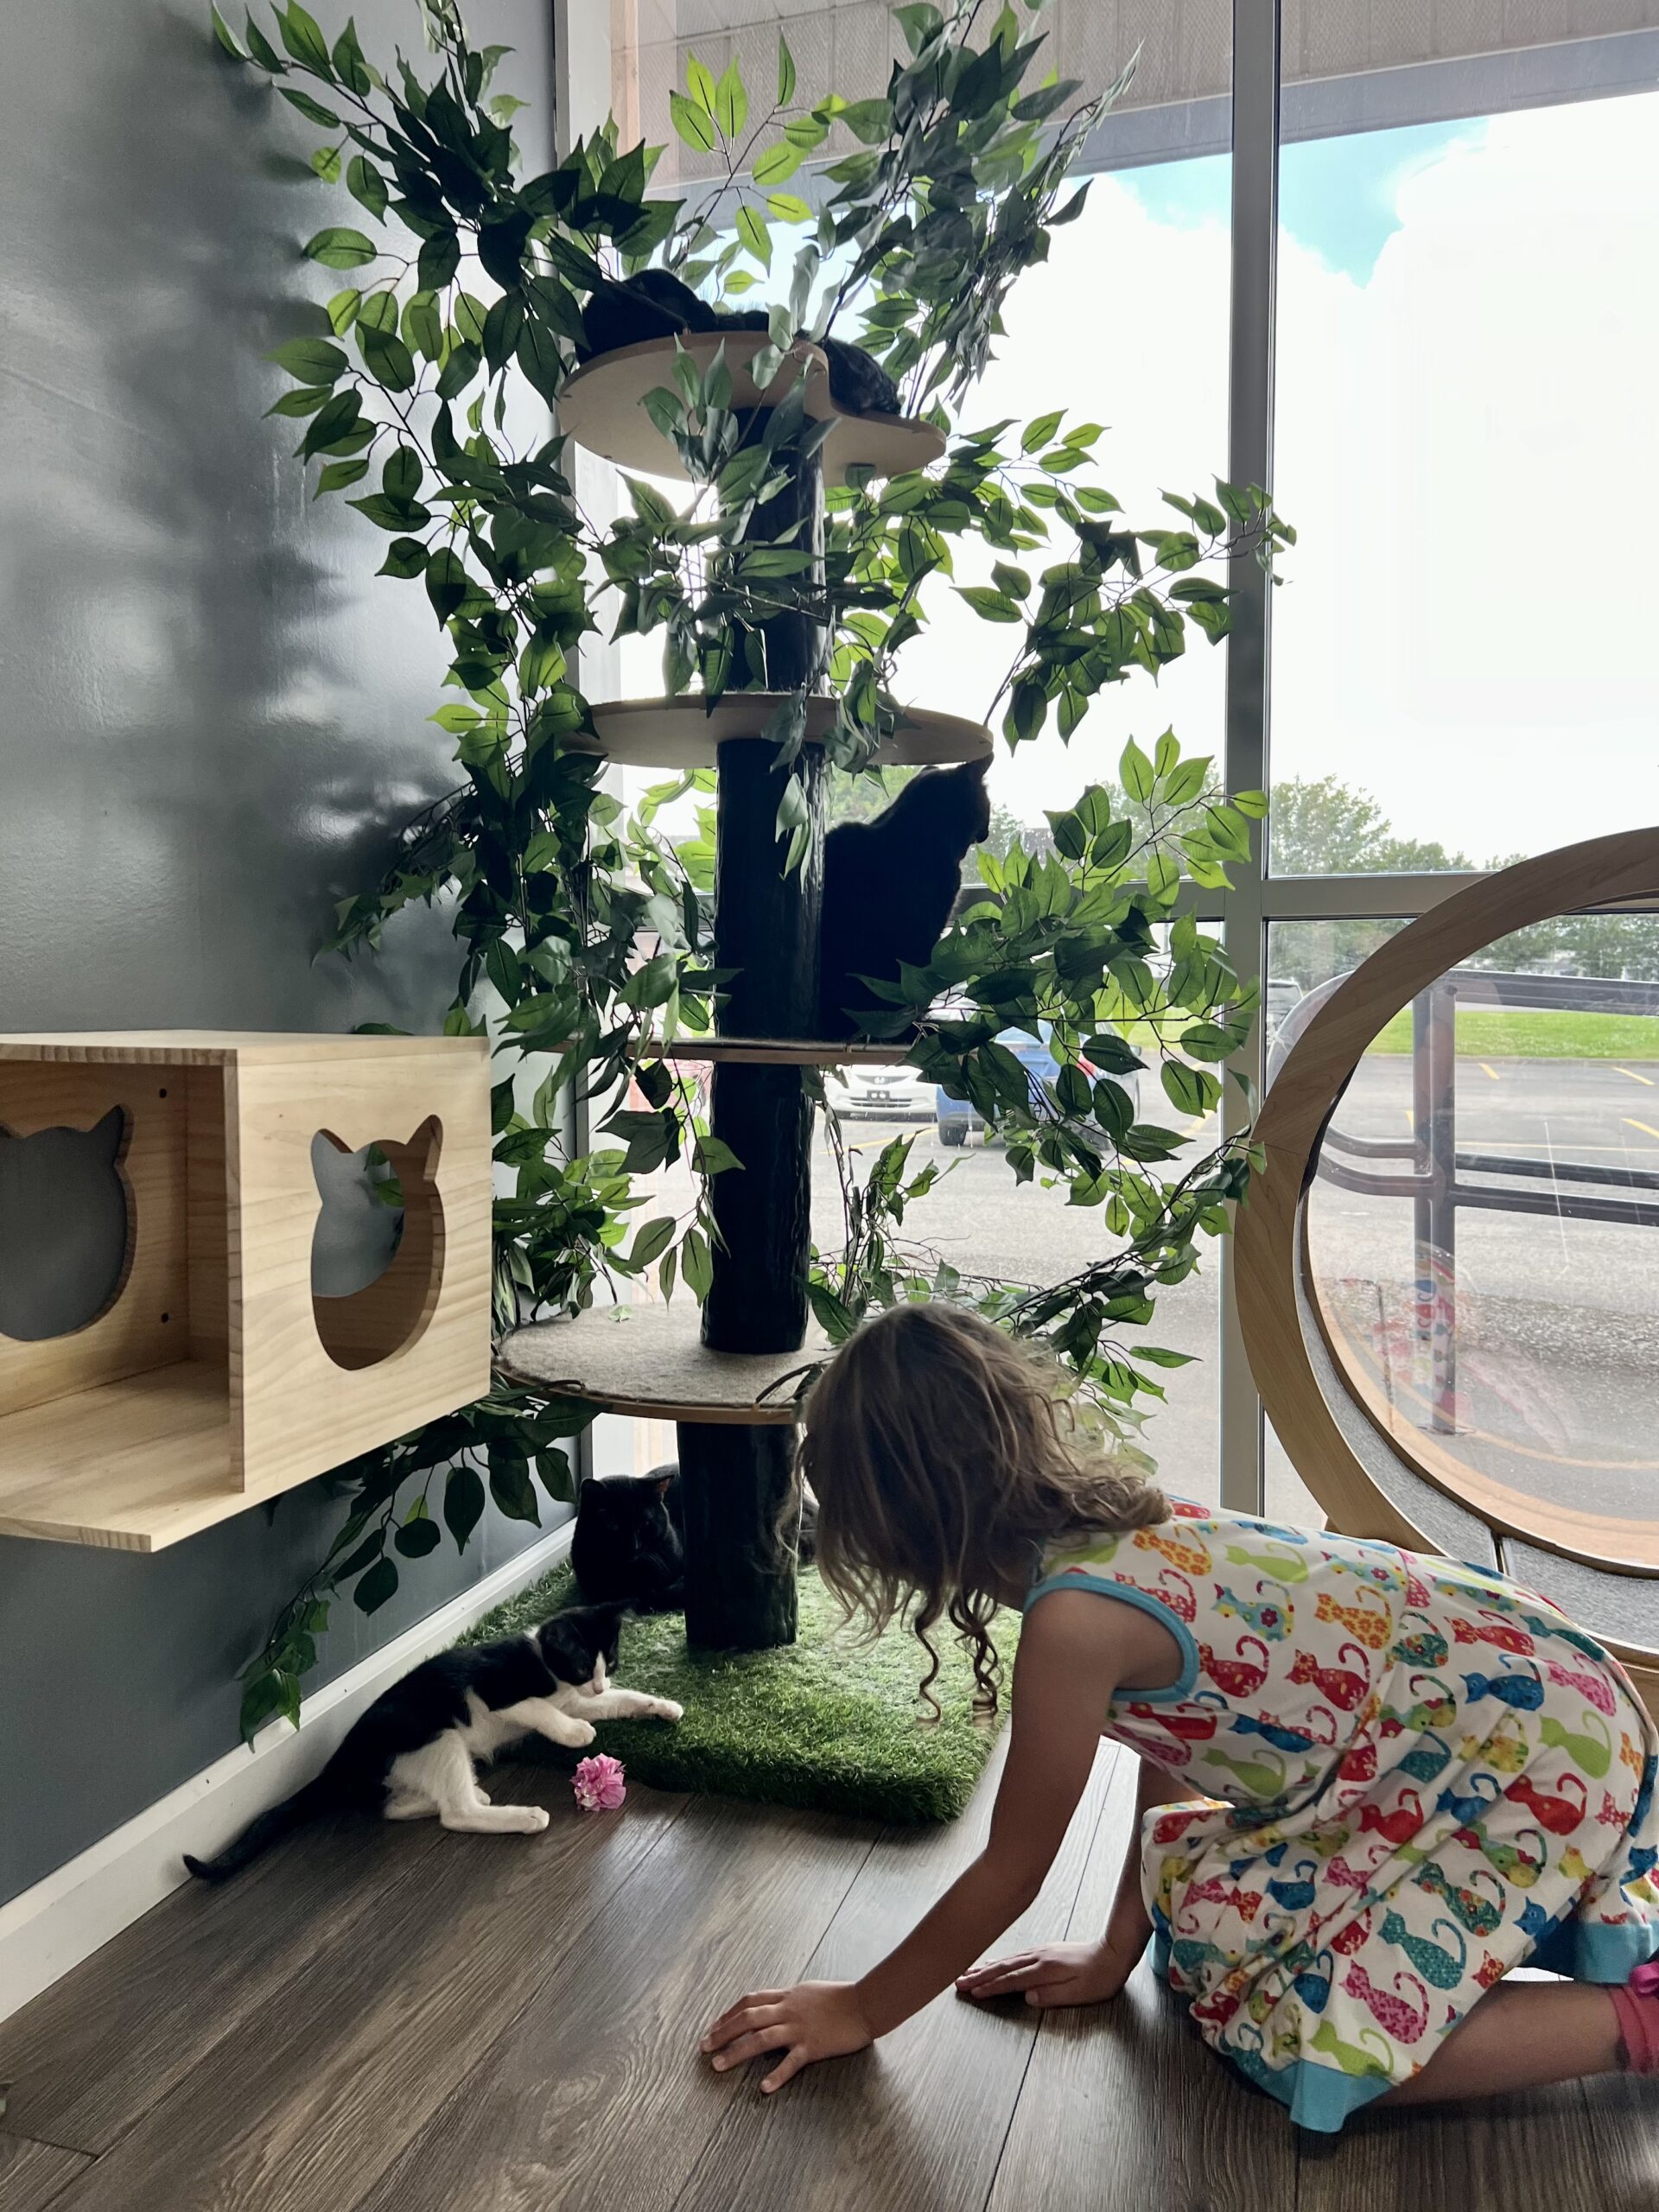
655 304
629 1546
889 887
411 1755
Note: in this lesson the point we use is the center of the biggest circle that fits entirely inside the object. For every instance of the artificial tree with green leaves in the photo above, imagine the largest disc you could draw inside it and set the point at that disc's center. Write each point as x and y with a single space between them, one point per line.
583 933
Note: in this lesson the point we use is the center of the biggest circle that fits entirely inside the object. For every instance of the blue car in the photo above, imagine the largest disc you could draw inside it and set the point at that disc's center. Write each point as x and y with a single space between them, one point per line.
957 1118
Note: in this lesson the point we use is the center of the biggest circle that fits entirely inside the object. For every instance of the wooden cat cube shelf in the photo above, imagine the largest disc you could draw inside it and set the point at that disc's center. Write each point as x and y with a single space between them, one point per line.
191 1372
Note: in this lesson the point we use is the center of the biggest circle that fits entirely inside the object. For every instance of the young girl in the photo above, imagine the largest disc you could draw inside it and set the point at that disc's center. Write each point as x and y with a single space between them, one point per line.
1371 1782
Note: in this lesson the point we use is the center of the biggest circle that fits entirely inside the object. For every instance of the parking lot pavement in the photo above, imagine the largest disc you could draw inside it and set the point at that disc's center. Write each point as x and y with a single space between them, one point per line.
1557 1320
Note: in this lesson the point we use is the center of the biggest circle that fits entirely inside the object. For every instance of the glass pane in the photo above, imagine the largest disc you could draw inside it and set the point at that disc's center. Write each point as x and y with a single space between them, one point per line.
1484 1228
1466 358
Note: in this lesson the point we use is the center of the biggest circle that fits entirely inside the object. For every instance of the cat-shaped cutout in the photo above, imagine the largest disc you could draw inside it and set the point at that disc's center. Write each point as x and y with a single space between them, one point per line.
373 1317
889 885
65 1227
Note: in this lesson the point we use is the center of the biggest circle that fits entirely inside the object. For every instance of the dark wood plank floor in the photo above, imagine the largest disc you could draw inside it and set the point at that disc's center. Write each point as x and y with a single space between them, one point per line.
392 2019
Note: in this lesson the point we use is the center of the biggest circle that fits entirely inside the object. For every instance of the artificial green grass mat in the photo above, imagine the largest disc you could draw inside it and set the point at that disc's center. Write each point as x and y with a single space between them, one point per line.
1502 1032
830 1722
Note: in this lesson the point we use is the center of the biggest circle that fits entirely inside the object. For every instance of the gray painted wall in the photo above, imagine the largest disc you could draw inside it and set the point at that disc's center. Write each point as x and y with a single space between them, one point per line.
212 715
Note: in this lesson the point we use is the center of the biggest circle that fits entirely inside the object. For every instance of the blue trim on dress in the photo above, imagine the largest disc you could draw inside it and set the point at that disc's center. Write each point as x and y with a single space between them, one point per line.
1608 1952
1321 2098
1079 1577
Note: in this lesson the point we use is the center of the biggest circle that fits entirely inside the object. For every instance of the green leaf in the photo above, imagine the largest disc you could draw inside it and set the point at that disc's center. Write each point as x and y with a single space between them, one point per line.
652 1241
326 162
342 310
388 359
261 50
1252 805
266 1696
405 556
1135 771
731 100
785 73
312 110
777 164
304 41
446 581
511 1486
700 83
1189 1090
1040 431
438 260
756 237
375 1587
988 604
463 1503
416 1538
313 360
788 208
401 475
337 474
870 120
349 66
367 186
423 325
693 123
337 248
226 37
697 1264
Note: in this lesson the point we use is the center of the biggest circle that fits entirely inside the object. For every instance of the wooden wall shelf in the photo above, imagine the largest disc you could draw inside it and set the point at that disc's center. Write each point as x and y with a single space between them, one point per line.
678 734
651 1361
603 407
211 1379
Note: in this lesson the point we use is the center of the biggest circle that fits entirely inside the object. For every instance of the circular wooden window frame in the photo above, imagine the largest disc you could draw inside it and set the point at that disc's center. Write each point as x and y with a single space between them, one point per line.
1270 1243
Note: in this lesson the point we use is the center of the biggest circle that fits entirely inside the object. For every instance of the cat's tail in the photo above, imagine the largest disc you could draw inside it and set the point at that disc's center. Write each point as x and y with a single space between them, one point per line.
317 1797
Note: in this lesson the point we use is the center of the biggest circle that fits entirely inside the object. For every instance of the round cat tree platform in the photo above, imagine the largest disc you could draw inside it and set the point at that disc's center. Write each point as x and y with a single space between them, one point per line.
649 1361
1375 1471
684 733
602 406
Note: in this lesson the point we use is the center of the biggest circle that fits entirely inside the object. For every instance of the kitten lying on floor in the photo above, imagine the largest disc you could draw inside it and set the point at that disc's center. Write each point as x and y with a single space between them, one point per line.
411 1754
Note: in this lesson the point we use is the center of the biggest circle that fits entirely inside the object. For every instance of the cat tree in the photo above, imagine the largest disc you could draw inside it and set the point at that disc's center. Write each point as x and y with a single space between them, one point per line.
727 1385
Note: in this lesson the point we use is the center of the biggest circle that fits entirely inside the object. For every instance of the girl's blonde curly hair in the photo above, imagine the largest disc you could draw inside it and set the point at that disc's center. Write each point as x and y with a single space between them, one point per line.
946 1465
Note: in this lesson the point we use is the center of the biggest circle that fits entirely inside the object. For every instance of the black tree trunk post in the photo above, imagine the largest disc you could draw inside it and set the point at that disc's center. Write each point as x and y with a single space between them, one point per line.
739 1482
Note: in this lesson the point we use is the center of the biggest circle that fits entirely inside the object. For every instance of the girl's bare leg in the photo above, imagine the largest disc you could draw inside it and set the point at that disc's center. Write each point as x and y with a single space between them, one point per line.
1520 2036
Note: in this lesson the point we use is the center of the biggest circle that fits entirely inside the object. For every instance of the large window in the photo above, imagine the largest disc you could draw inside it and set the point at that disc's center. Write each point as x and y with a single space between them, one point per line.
1432 302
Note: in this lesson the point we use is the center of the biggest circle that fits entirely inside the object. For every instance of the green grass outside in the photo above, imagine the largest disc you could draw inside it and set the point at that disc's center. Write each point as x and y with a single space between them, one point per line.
1500 1033
827 1723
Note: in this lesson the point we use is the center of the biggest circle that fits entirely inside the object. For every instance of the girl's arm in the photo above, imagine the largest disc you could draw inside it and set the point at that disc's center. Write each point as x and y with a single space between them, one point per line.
1063 1682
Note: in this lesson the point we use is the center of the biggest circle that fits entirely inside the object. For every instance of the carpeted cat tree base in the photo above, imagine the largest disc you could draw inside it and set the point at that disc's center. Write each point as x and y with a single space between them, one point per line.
827 1722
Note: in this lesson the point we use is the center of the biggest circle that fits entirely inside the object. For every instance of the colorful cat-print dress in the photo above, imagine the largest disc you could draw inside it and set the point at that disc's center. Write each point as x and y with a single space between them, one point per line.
1408 1776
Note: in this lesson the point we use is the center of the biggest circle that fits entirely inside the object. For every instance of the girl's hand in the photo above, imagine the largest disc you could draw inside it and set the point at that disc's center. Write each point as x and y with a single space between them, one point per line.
814 2020
1058 1974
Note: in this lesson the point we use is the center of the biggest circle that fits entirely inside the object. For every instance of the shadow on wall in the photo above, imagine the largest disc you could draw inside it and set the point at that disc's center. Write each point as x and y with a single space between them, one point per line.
216 712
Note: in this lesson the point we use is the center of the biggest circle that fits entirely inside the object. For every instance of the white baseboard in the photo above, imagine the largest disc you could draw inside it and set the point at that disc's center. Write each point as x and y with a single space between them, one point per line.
77 1908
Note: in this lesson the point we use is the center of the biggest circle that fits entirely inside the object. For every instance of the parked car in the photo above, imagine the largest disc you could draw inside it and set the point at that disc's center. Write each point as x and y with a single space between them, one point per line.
955 1119
895 1093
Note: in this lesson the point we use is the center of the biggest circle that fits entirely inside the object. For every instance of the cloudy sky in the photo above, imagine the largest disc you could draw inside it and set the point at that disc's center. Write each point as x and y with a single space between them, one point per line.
1466 332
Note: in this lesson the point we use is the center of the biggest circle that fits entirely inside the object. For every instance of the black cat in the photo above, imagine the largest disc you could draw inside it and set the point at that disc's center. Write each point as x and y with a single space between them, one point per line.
655 304
411 1754
629 1545
889 885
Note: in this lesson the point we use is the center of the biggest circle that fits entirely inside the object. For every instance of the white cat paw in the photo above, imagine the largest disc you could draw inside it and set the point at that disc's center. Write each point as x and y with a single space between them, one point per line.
581 1731
665 1709
532 1818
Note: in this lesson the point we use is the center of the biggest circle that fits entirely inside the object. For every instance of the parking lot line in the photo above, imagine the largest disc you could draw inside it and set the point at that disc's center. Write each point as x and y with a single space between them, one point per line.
1646 1130
1486 1070
1634 1077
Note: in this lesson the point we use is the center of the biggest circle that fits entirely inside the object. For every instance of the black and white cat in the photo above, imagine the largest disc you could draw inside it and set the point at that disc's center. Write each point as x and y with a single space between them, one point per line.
412 1756
889 885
